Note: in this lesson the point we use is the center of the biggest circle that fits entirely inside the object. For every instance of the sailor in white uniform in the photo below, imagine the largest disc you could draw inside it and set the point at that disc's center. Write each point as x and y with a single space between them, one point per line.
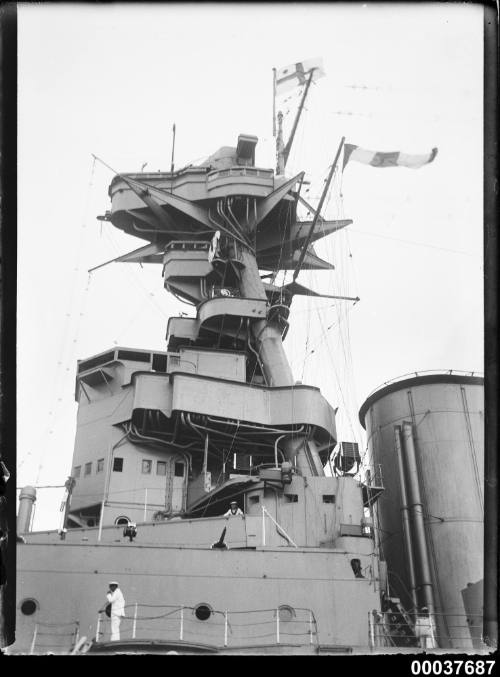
424 630
117 601
233 510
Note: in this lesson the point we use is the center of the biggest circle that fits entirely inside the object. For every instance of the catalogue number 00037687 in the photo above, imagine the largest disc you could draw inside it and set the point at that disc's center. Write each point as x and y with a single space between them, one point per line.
453 667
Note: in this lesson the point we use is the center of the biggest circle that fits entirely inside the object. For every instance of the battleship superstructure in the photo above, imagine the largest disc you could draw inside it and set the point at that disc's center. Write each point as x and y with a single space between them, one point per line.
166 440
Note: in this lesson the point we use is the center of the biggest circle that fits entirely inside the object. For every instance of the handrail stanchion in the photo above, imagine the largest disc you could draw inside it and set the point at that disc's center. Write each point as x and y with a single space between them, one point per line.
277 626
225 628
98 627
310 627
134 624
181 636
263 526
77 634
35 632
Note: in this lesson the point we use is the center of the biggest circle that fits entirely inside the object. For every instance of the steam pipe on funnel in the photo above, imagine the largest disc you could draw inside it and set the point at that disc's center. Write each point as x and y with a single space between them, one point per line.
405 517
417 513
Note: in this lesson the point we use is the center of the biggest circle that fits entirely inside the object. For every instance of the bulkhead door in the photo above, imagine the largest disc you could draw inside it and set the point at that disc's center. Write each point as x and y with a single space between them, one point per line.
178 484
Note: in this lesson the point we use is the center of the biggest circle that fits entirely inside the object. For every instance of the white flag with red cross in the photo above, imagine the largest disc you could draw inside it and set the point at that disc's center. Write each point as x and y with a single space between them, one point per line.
296 74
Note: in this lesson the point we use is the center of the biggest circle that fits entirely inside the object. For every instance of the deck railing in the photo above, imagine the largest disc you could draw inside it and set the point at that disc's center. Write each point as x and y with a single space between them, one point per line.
426 372
54 637
392 629
219 629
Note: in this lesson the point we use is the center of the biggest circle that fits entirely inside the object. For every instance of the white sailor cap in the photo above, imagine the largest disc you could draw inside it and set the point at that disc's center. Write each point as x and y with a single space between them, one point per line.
113 583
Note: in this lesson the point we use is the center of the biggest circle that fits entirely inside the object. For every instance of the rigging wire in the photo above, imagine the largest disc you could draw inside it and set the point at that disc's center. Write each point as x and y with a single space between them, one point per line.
352 269
350 274
417 244
132 320
67 350
308 330
224 461
344 330
136 281
76 265
341 315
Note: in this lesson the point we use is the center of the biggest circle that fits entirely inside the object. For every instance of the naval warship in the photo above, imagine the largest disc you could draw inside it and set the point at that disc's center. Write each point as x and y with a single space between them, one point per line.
167 441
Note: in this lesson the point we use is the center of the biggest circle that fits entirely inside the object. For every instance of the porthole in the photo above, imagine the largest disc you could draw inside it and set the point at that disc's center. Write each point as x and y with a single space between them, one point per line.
202 612
286 613
122 521
29 606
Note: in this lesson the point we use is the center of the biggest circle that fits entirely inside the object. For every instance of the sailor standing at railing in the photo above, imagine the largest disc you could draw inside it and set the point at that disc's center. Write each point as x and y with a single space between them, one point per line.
117 601
424 630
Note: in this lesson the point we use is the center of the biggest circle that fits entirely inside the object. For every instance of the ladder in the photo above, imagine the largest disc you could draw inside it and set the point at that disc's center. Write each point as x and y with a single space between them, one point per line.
399 625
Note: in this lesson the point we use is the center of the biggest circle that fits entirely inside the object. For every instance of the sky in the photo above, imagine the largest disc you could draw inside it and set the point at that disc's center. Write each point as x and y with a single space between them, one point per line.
110 80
